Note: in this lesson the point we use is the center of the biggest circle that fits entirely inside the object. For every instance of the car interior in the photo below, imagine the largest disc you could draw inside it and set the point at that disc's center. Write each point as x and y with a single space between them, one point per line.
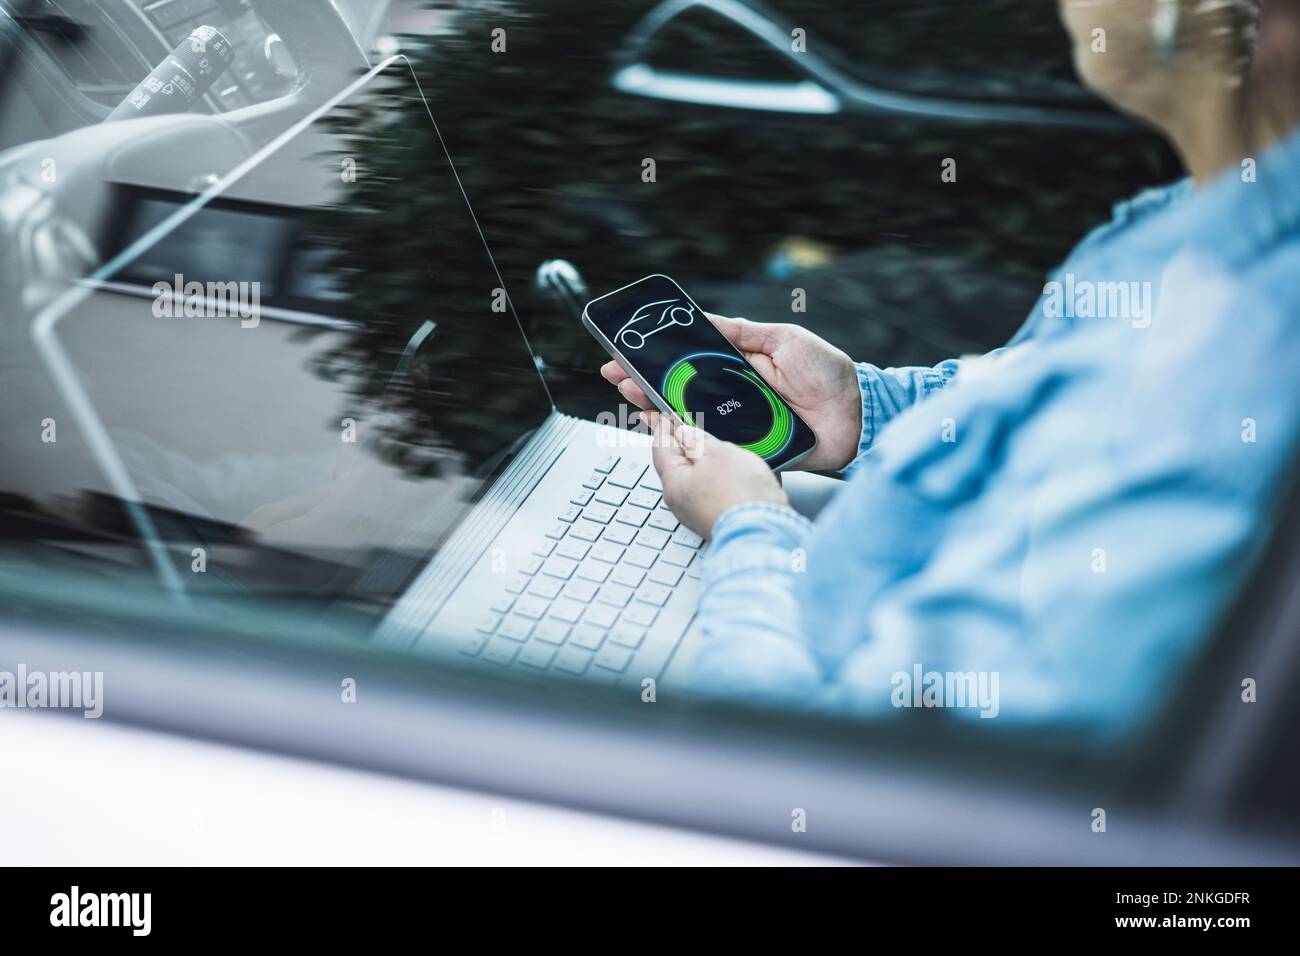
364 311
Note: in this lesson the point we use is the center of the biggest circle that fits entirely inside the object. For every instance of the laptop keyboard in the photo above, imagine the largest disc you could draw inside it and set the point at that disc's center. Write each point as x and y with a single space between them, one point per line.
584 602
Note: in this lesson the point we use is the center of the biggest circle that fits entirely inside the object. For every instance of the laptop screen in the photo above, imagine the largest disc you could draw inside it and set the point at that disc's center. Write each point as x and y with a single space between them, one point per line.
301 376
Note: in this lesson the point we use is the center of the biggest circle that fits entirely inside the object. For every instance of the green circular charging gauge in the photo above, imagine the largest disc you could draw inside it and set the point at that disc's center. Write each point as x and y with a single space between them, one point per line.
690 393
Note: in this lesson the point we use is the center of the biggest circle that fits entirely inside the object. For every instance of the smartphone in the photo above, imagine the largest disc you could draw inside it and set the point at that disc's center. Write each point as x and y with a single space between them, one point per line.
689 369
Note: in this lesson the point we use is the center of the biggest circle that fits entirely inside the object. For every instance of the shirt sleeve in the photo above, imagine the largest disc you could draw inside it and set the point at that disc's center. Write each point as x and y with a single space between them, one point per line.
748 618
888 391
752 639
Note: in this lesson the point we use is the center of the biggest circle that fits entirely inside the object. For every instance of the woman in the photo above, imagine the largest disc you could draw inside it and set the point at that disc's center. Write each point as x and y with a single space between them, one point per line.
1071 513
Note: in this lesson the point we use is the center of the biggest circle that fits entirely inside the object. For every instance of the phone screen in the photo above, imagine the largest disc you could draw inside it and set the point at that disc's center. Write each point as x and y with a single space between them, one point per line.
659 335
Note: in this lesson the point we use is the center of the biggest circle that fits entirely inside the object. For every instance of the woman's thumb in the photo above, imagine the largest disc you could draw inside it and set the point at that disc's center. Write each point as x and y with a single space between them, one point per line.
694 441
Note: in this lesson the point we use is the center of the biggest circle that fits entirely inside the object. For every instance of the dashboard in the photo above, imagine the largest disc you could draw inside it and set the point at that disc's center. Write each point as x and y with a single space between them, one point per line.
263 67
83 57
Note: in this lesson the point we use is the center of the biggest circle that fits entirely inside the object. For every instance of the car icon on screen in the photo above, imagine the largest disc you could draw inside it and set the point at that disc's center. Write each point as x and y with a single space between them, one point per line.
651 318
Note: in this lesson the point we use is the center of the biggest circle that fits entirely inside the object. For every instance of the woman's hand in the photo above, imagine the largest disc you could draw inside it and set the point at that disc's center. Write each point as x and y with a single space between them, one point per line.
703 477
816 378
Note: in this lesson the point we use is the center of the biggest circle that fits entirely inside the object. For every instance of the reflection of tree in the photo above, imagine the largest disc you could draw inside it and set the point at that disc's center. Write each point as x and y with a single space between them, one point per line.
404 251
550 156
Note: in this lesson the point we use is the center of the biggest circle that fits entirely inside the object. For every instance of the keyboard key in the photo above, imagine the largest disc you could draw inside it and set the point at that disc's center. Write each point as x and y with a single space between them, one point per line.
573 550
614 594
559 531
559 567
570 514
586 530
581 498
631 514
551 631
694 571
651 480
516 628
608 552
500 651
516 583
627 474
611 496
628 635
602 513
530 565
685 536
608 465
545 587
601 615
573 660
628 577
614 658
640 557
655 594
545 548
678 555
652 538
503 603
644 498
665 574
663 520
594 480
620 534
531 607
537 655
472 645
580 590
593 570
642 614
567 611
588 636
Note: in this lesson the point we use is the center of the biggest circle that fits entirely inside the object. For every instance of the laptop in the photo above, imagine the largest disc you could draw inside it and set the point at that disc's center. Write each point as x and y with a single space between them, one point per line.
485 525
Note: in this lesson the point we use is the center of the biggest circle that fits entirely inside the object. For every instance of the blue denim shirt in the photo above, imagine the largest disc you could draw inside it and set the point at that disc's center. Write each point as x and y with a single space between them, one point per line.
1072 512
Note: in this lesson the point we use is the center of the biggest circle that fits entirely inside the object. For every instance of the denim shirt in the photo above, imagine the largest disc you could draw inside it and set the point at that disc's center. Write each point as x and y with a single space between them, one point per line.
1071 513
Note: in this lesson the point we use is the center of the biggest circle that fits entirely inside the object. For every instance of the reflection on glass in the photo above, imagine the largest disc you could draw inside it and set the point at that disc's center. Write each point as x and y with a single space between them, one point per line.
301 380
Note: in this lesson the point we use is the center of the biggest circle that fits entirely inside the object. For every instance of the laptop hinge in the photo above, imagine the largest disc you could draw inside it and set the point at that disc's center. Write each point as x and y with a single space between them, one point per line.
417 608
